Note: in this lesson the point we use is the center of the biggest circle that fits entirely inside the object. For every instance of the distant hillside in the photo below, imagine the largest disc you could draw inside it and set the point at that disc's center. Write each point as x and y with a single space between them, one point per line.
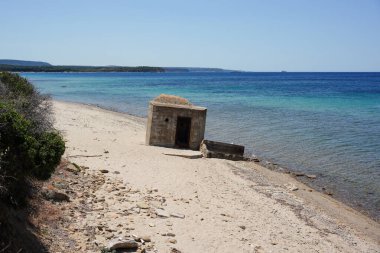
195 69
38 66
50 68
23 63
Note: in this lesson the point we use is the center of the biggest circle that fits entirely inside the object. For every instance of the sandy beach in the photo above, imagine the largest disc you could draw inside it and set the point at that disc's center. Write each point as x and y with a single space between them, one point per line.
213 205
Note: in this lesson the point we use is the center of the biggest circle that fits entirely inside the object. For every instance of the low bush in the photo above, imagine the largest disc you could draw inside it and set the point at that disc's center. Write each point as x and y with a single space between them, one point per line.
29 146
26 100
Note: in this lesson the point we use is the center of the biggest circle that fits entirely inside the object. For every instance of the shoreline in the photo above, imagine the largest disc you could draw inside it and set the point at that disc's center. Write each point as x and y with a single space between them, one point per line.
263 184
267 164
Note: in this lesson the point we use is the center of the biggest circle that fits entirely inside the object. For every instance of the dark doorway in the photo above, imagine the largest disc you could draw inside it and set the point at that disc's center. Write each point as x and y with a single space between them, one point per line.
182 136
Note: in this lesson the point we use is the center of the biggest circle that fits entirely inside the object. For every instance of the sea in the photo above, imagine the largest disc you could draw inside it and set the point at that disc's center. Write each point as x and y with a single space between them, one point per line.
324 124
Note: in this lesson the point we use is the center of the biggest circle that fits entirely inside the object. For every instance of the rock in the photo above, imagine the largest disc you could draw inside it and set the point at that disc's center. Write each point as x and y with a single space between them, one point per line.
311 176
103 171
178 215
291 187
145 238
174 250
120 243
72 167
242 227
116 172
60 185
174 241
162 213
298 174
142 205
54 195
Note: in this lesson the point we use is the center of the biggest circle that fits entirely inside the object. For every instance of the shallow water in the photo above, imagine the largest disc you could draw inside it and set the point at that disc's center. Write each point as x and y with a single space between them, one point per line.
326 124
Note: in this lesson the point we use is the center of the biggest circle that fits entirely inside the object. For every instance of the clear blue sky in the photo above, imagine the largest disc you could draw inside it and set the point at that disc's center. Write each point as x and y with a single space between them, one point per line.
325 35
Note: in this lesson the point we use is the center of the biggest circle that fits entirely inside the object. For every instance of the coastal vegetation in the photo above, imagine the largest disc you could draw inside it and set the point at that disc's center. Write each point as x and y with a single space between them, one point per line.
29 145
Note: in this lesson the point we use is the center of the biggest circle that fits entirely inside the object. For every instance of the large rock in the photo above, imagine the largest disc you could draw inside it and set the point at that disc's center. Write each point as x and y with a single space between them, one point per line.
120 243
214 149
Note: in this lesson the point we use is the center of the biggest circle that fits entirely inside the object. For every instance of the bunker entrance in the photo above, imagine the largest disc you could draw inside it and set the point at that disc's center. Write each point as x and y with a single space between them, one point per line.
182 136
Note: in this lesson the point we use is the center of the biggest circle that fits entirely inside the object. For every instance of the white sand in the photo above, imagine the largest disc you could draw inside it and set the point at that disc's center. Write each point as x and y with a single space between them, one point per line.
216 196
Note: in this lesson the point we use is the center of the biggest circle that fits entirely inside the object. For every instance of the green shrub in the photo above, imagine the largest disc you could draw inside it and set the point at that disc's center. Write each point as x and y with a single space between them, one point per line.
20 147
17 85
50 149
28 146
26 100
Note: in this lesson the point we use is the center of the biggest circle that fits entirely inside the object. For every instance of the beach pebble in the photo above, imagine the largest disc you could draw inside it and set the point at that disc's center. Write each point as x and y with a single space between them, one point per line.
162 213
291 187
174 241
54 195
168 234
142 205
120 243
103 171
311 176
178 215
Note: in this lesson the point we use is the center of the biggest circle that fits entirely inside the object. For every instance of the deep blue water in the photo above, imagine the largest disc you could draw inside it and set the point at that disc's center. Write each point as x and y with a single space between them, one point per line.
326 124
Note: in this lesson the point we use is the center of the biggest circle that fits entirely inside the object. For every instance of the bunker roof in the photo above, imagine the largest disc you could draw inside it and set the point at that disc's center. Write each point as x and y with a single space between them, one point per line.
174 102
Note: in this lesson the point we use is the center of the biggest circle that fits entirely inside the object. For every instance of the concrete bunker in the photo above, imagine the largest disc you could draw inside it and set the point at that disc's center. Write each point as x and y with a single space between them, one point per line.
174 122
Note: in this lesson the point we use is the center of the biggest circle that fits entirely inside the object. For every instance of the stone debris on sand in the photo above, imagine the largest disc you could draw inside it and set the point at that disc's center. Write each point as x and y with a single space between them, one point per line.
103 206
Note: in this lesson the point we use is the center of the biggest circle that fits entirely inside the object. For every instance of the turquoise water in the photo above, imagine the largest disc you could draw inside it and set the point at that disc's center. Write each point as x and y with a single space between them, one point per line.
326 124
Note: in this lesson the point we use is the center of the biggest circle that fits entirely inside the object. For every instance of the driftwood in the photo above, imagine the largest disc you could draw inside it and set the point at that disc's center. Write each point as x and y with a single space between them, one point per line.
84 156
186 156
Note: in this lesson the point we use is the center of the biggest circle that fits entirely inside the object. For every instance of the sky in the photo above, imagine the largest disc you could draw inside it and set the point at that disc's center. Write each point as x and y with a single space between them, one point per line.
292 35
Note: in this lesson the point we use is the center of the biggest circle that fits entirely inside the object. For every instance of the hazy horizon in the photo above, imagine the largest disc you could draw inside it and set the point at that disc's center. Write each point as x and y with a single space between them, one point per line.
271 36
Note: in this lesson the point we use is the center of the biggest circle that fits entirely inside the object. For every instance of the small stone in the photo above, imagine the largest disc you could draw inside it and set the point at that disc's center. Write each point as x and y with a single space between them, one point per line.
162 213
116 172
145 238
174 241
242 227
311 176
291 187
142 205
55 195
72 167
120 243
103 171
178 215
151 225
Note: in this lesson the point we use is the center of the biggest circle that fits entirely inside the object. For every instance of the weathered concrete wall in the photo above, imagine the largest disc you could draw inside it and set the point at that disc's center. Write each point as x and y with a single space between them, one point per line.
162 124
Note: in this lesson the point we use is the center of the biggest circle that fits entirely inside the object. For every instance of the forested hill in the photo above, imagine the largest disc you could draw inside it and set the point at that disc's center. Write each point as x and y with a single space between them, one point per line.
39 66
16 68
23 63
